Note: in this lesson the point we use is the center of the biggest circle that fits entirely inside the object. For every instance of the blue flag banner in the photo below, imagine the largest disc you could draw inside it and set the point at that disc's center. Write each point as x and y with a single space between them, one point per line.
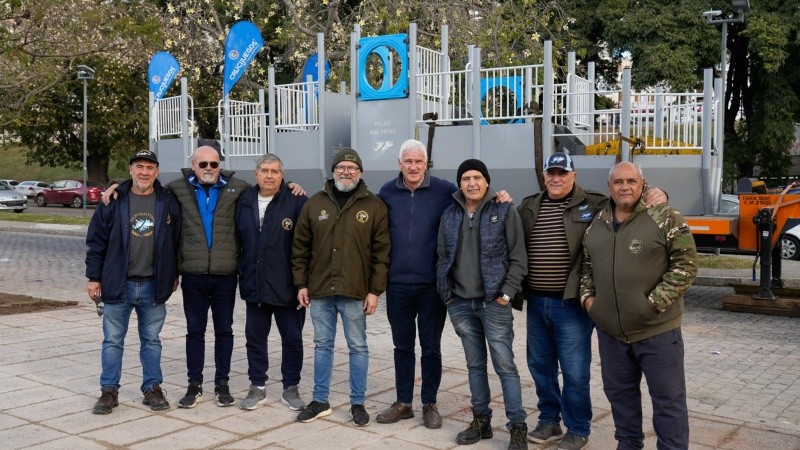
161 73
310 68
241 46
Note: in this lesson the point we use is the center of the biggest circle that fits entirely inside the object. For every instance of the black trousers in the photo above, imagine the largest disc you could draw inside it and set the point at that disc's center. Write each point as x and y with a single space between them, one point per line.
290 321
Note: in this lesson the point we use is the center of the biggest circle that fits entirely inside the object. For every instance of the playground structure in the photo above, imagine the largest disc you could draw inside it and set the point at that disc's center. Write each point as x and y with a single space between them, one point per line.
509 117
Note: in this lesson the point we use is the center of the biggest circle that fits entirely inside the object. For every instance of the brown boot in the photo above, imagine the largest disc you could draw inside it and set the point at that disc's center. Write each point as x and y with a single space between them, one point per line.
107 401
430 416
155 398
395 413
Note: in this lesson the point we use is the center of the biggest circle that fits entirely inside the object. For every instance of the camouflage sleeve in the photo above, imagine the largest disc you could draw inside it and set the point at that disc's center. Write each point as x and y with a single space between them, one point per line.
587 282
682 268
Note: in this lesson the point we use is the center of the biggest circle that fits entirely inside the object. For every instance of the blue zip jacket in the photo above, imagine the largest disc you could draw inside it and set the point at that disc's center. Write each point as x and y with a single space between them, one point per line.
265 266
414 225
108 243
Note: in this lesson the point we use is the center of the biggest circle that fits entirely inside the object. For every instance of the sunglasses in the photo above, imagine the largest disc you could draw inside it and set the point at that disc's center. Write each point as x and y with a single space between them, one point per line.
204 164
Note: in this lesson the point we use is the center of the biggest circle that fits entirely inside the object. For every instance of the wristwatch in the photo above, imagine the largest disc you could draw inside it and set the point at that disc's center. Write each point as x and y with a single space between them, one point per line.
506 298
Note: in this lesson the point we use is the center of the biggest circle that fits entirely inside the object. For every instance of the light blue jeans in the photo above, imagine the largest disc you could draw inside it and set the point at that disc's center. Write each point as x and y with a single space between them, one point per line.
477 323
354 322
139 296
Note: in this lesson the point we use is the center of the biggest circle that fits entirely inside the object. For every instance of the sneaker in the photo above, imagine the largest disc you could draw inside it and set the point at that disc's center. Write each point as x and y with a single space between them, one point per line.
545 432
573 442
193 395
314 411
107 401
479 428
223 394
430 416
518 432
255 397
156 399
291 398
395 413
359 415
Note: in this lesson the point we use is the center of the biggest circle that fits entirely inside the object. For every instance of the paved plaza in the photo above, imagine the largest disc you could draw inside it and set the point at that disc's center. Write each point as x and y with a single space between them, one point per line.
743 375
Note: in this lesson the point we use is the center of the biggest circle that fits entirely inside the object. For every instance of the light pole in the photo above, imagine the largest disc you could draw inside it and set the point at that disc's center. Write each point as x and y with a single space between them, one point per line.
85 73
739 7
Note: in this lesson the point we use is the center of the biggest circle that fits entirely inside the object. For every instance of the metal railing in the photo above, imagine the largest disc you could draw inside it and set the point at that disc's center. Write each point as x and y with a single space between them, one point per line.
246 125
296 107
167 117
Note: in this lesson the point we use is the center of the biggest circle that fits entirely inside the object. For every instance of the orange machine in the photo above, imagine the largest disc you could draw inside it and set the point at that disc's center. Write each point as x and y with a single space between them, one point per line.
782 207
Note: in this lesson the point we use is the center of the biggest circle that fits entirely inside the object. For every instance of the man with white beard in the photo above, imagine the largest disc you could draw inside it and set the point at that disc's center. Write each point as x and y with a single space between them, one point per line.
340 259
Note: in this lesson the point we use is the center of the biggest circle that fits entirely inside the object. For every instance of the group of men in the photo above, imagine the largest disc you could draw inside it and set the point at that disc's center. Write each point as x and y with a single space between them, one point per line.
436 249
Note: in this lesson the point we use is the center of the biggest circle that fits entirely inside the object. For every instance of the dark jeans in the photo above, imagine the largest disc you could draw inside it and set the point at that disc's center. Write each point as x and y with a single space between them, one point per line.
290 322
201 292
660 360
412 307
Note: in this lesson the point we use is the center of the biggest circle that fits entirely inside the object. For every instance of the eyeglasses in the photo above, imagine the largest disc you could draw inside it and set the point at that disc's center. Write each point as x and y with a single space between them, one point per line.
204 164
348 169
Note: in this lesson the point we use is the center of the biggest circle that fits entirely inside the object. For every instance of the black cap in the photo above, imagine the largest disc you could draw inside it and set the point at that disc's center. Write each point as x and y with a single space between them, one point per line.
144 154
346 154
473 164
559 160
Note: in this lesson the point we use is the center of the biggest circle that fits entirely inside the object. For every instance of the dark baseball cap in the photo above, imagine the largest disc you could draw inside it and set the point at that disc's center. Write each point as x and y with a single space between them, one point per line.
144 154
559 160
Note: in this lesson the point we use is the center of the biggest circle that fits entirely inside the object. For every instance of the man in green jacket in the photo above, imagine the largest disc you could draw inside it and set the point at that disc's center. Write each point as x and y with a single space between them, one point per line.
638 264
340 259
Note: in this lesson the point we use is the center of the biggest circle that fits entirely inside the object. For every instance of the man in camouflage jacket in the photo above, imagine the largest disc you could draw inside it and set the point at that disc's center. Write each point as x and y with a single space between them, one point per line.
638 264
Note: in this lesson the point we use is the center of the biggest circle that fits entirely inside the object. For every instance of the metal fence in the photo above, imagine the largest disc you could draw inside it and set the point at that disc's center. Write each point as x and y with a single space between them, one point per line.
296 107
248 124
166 116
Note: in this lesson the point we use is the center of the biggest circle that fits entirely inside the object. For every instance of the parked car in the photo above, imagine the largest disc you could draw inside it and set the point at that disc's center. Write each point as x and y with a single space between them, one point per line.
729 204
10 183
10 199
31 188
70 193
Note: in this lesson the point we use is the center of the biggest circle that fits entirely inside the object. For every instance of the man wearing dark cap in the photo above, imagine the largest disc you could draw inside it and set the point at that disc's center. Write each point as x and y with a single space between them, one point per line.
559 330
339 262
481 265
132 262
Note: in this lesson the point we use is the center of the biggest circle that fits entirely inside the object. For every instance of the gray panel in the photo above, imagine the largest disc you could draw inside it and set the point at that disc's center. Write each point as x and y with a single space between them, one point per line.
382 127
170 155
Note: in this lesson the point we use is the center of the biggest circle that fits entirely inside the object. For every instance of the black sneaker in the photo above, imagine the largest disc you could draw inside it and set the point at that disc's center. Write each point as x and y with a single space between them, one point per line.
359 415
314 411
156 399
479 428
107 401
193 395
223 394
545 432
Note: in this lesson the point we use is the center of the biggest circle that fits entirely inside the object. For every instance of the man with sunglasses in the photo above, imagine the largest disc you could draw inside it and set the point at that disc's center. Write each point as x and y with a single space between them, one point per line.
340 257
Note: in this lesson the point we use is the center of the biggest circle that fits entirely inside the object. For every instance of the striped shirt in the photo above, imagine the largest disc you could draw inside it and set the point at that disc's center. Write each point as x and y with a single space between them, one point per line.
548 251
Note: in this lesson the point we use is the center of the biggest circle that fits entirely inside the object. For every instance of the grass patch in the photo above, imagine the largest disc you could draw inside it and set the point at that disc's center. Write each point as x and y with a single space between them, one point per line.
725 262
44 218
14 167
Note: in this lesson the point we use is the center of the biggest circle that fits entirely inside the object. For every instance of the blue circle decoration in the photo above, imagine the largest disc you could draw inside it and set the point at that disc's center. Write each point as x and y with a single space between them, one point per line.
380 45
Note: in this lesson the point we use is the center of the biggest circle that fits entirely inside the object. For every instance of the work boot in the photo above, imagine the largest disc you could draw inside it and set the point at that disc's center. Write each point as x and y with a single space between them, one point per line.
545 432
518 432
479 428
156 399
107 401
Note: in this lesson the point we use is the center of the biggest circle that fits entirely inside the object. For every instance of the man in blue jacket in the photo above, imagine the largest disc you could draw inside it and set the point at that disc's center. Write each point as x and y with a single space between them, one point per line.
265 218
132 262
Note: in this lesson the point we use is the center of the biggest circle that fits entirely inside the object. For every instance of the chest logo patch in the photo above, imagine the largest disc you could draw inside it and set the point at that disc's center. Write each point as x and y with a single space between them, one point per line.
583 207
323 215
635 246
362 216
585 217
494 218
287 224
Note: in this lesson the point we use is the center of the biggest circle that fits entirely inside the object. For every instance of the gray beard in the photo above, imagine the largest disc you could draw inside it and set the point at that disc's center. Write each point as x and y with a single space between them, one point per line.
341 187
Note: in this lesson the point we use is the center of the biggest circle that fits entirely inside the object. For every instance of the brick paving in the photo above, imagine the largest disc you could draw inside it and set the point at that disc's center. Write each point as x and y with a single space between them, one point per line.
742 375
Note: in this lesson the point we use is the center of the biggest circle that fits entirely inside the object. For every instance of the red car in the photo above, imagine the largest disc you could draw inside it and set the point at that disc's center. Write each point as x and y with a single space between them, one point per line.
70 193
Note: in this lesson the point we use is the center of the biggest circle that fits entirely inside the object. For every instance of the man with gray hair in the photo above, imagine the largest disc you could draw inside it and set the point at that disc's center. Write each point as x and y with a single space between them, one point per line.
266 215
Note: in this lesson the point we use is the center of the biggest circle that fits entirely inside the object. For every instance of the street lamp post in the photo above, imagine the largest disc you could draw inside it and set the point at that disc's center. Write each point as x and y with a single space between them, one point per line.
739 7
85 73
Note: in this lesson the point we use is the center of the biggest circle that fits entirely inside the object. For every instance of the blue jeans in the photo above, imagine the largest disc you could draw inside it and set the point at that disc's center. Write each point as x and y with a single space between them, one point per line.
139 296
560 334
201 292
412 307
660 360
478 322
354 323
